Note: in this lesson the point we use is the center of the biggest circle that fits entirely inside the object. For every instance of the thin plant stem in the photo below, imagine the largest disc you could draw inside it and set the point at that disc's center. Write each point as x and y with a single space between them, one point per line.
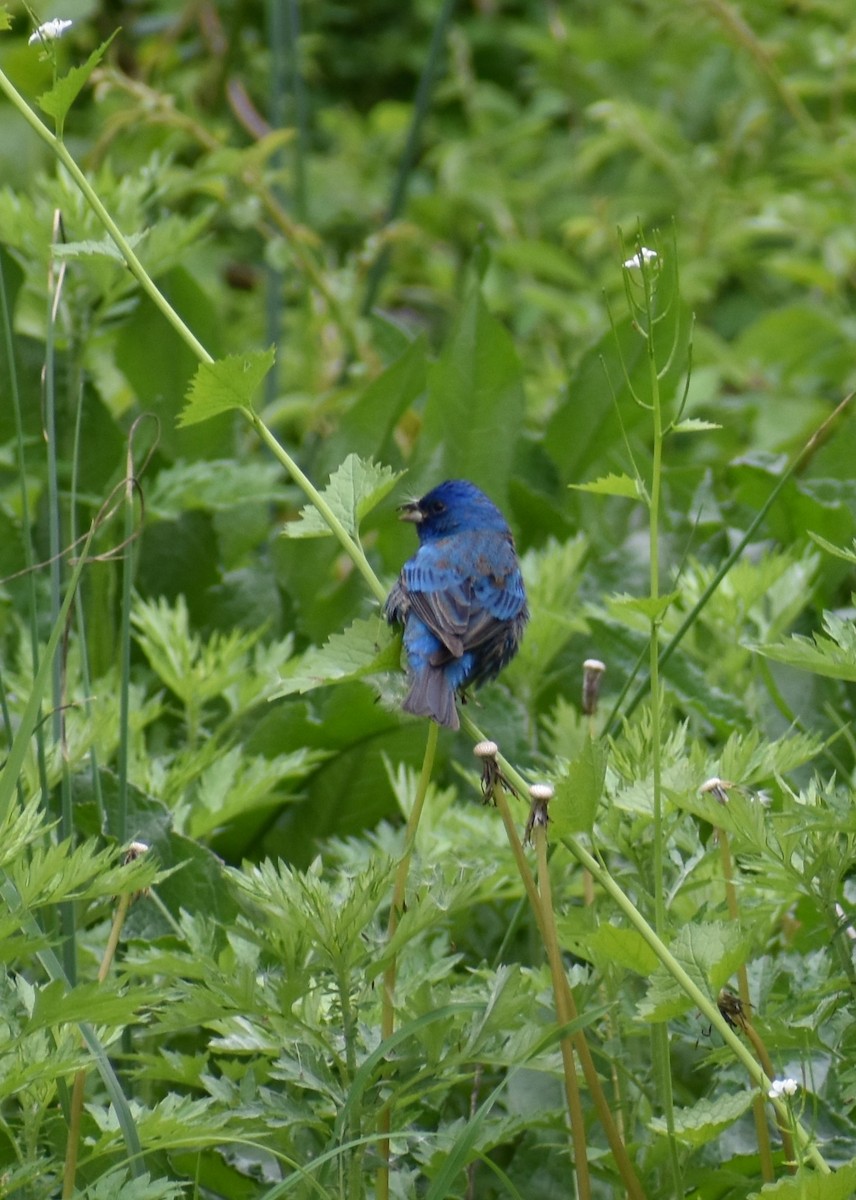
408 158
127 573
395 912
76 1113
819 435
660 1031
758 1108
604 1111
708 1008
563 1015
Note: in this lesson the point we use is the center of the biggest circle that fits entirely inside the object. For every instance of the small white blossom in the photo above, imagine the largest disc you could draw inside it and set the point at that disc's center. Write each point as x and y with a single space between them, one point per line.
49 32
783 1087
644 256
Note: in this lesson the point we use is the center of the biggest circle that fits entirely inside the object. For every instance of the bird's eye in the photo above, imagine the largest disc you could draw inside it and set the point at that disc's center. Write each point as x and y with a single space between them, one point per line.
438 507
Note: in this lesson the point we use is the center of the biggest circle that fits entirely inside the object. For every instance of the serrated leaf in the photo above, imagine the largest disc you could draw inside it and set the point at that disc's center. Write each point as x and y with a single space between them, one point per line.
105 247
613 485
652 608
58 100
5 19
355 488
573 807
707 1119
831 548
694 425
213 485
833 656
366 647
226 384
807 1185
709 953
609 944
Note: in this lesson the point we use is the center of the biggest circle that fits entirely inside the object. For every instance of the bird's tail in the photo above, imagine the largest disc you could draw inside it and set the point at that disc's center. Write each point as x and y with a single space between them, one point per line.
431 695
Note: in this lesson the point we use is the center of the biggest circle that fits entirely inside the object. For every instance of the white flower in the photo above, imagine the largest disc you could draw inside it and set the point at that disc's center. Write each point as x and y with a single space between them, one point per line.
50 31
783 1087
644 256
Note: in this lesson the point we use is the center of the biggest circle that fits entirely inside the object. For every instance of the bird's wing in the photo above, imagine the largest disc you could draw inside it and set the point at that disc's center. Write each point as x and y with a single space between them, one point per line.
464 589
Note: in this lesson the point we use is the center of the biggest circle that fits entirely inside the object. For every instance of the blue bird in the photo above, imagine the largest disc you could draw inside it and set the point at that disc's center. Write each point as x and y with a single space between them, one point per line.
460 598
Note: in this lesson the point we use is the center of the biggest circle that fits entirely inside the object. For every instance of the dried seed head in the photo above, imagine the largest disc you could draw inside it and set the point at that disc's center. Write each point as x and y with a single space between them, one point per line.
541 793
135 851
716 787
485 749
593 670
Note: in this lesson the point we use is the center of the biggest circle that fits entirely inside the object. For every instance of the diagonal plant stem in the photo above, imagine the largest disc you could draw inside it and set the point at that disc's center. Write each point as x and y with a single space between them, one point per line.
563 1014
613 1135
685 982
613 724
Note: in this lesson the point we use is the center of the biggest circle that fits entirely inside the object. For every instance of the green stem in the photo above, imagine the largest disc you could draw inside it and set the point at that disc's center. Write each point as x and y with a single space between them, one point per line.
396 909
699 998
613 1134
76 1113
612 725
351 547
563 1014
136 267
659 1032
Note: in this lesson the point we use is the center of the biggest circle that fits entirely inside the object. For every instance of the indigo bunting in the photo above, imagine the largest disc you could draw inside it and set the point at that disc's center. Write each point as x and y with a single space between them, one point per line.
460 598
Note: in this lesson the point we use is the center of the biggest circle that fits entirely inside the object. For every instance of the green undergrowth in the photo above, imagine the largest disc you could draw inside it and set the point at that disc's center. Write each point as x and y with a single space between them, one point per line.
261 935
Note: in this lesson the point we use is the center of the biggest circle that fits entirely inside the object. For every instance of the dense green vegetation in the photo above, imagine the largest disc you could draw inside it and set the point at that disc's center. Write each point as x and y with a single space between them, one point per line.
266 270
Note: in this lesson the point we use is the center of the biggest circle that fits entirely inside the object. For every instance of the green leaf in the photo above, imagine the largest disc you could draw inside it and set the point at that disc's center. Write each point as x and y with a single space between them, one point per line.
652 609
833 656
607 945
368 427
553 574
5 19
709 953
475 406
353 491
613 485
807 1185
105 247
831 548
214 485
573 807
58 100
708 1118
366 647
229 383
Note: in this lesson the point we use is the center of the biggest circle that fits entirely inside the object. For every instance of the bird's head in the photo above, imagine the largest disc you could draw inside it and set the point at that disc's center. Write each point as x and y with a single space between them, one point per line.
451 506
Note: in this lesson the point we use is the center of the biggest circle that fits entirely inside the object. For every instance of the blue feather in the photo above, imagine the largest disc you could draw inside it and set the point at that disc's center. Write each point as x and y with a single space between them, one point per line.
460 598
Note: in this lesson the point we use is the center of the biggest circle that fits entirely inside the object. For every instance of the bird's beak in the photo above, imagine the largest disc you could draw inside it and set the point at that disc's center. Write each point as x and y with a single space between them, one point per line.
411 512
